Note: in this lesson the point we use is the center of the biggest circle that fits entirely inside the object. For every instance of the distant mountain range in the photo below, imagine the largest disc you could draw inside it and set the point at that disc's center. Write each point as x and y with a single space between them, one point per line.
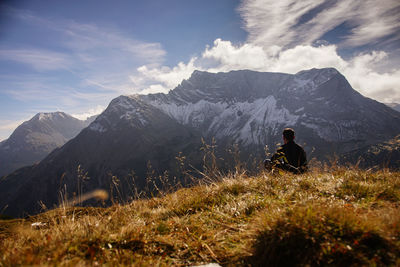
251 108
145 133
35 139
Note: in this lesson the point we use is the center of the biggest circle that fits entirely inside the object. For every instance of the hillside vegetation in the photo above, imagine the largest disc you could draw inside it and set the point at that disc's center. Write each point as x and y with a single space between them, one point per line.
337 216
384 154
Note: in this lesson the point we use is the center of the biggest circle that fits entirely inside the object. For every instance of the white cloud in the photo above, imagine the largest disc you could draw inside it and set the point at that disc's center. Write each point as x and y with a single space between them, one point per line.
383 86
94 43
88 39
165 78
7 127
41 60
89 64
270 22
30 88
224 56
9 124
47 95
283 23
106 59
88 113
99 56
154 88
281 34
374 21
306 57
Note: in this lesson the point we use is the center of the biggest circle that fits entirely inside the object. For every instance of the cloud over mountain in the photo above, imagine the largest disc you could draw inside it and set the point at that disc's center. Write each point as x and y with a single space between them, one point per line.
285 36
146 133
361 70
75 61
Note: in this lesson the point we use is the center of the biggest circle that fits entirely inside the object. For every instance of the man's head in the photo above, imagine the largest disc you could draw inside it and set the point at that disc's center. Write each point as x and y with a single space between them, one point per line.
288 135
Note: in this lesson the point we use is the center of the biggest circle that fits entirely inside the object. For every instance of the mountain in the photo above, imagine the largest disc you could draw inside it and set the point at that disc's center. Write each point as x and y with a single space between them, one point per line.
124 138
251 109
384 154
395 106
36 138
145 133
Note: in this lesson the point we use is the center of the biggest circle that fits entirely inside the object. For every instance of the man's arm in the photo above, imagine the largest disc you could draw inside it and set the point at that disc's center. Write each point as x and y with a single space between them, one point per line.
275 159
303 161
278 154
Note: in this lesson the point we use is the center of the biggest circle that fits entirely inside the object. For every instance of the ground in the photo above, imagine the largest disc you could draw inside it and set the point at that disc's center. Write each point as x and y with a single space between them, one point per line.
329 216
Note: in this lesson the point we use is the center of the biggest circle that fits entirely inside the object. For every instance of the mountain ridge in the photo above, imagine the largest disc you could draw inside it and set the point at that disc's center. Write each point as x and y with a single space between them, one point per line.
395 106
146 133
36 138
295 95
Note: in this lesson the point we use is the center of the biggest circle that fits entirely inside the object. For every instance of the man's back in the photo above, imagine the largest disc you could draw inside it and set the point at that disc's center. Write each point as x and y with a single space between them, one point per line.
293 155
290 157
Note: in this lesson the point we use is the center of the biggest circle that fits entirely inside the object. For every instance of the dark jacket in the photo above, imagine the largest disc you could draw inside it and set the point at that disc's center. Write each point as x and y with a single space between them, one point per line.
292 155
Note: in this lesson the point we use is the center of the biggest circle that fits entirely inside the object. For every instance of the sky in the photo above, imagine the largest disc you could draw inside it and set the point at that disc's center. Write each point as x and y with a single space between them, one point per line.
76 56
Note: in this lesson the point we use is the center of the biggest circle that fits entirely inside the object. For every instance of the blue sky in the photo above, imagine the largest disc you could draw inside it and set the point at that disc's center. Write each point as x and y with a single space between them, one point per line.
76 56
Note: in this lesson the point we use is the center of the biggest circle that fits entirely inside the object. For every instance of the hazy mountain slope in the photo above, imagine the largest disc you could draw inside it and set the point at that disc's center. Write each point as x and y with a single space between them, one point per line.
36 138
244 107
127 135
385 154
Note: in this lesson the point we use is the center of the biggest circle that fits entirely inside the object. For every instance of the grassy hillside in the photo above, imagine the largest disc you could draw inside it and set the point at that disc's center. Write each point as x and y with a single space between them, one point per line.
384 154
334 217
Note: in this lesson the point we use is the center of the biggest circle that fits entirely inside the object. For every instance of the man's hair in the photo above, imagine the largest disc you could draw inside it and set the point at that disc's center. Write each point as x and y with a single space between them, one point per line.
288 133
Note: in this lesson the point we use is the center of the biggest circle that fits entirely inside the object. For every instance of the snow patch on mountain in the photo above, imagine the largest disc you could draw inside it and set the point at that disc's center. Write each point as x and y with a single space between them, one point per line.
133 109
308 81
129 108
245 122
43 116
248 107
191 114
97 127
134 114
256 116
333 131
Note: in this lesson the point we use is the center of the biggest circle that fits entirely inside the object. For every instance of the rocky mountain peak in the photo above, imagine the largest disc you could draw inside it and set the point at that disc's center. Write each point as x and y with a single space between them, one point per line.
131 109
43 116
251 107
313 73
244 85
36 138
246 108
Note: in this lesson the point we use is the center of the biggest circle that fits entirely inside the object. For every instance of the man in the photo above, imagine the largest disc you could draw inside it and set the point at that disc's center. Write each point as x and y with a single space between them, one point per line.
289 157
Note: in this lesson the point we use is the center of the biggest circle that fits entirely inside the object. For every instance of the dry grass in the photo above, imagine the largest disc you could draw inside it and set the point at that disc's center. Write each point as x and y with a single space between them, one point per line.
339 217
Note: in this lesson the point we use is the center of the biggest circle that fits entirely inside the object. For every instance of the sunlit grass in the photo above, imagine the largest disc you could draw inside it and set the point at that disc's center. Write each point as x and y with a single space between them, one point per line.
339 217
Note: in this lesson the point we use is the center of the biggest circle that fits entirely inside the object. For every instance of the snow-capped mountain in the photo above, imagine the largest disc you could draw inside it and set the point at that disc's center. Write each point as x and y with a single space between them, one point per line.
36 138
244 107
122 142
252 108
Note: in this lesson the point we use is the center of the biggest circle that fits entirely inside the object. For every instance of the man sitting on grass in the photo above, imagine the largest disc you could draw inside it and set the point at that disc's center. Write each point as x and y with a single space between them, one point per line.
289 157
